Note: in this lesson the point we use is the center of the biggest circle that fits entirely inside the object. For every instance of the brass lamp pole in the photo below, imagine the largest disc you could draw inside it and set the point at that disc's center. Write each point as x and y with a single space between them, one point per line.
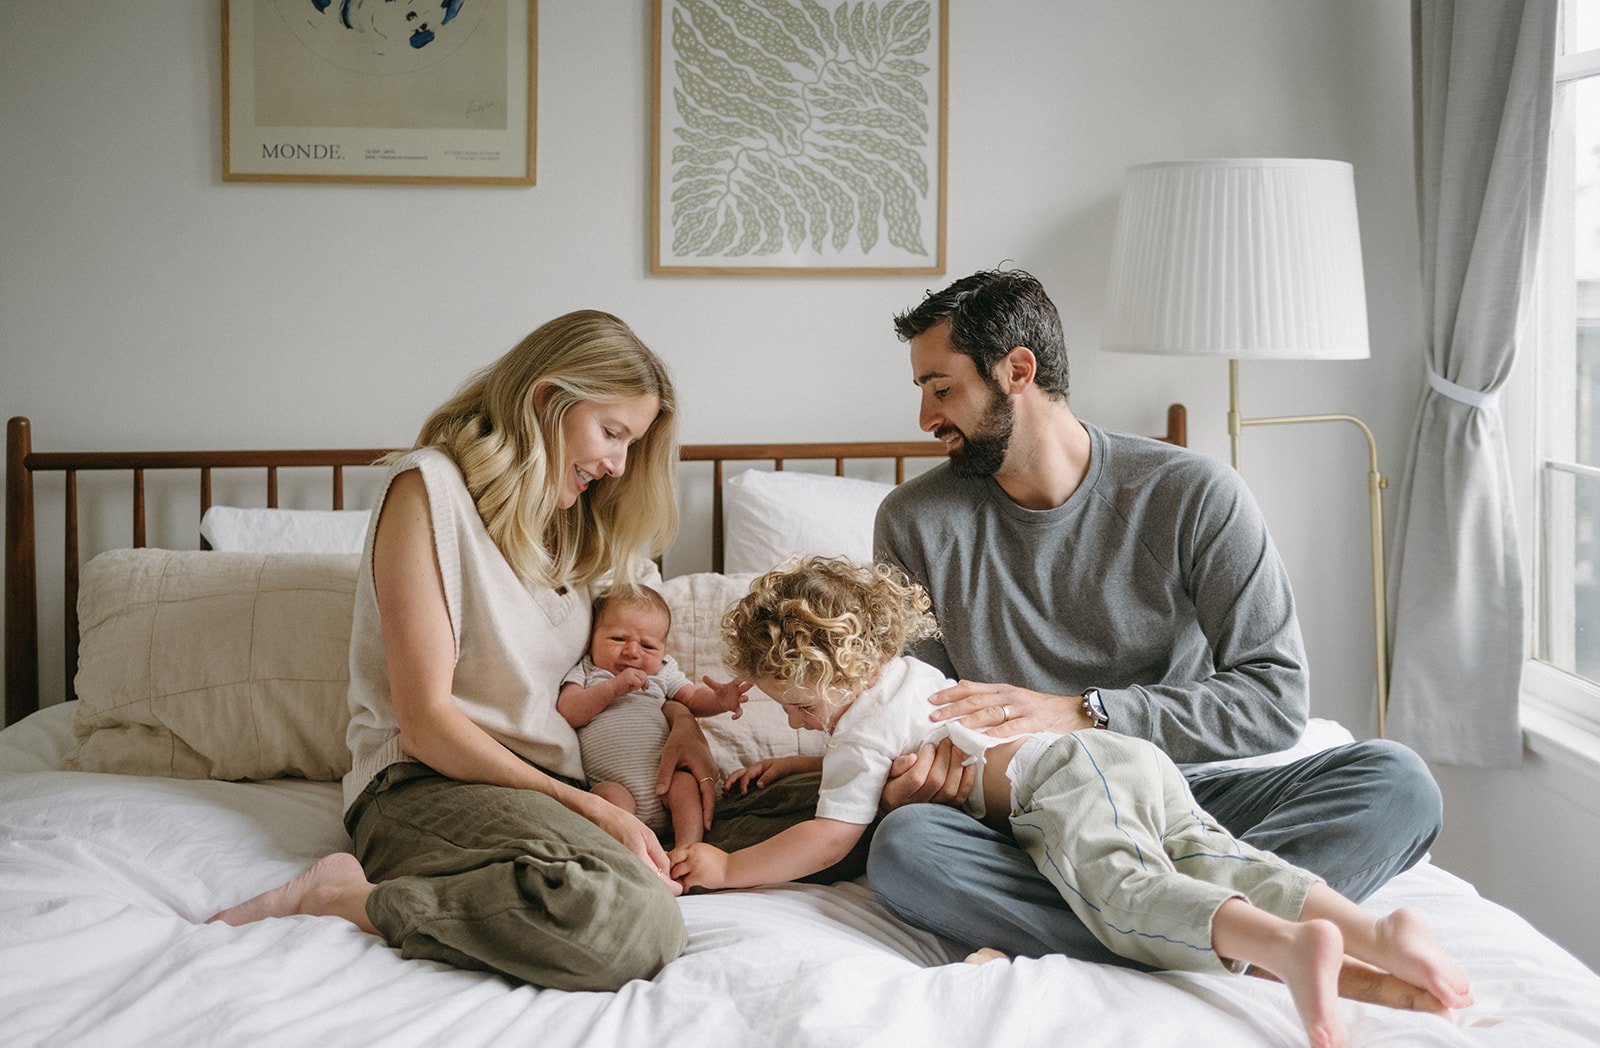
1376 482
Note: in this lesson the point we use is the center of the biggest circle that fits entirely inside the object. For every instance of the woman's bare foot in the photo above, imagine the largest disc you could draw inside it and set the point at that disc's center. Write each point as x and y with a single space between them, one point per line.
334 886
1406 947
1307 957
984 956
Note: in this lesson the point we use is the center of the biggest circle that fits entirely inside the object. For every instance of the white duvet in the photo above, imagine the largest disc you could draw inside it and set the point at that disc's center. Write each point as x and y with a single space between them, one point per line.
103 877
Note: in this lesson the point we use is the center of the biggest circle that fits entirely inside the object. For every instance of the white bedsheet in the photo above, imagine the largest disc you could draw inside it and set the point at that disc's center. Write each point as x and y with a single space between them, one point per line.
102 878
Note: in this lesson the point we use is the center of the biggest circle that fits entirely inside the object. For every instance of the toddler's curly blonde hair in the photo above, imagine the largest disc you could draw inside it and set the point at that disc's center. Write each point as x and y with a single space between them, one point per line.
825 624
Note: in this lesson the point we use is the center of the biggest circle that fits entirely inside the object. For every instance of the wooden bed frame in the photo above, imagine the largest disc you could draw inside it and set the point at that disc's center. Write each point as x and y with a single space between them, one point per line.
22 462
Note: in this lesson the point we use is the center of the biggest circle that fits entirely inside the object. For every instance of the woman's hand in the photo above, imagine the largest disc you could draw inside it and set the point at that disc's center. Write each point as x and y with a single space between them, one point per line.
686 748
1008 710
628 831
769 770
700 866
933 774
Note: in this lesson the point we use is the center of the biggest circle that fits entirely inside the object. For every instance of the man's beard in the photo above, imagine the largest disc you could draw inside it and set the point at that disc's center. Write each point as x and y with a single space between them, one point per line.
983 451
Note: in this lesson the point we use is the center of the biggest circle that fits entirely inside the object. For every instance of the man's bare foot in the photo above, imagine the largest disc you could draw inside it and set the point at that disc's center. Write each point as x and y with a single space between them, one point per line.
1359 981
1306 958
1407 948
984 956
333 886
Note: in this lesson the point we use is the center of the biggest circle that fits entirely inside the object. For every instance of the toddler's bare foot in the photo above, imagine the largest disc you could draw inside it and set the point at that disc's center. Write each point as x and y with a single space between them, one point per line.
985 955
1407 948
1307 958
333 886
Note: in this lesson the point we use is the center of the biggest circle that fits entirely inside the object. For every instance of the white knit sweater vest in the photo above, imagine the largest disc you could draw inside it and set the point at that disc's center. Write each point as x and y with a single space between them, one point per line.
513 641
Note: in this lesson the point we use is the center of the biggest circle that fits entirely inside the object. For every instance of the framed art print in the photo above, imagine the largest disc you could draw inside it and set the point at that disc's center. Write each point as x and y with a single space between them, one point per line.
379 91
799 136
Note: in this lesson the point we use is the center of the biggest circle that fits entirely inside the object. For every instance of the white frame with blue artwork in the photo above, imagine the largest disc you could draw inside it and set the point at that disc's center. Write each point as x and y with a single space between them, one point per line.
379 91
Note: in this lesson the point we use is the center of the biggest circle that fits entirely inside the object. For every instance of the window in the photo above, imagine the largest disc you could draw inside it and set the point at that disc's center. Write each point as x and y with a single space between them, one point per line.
1566 577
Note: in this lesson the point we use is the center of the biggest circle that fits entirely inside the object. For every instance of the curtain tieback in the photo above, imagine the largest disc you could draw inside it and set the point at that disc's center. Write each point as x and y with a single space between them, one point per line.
1461 394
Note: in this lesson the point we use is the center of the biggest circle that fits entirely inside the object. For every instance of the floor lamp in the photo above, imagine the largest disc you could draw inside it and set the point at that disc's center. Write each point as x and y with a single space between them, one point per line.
1249 259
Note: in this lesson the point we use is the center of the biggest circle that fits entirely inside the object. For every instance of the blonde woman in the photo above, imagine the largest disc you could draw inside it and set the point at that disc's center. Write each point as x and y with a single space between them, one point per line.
475 841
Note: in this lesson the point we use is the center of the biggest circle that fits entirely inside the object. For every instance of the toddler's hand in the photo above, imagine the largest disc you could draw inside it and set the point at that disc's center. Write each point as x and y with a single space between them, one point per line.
761 773
730 694
699 866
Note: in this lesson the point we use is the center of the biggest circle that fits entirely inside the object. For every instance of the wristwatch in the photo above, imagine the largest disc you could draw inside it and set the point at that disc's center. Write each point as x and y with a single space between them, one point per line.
1094 709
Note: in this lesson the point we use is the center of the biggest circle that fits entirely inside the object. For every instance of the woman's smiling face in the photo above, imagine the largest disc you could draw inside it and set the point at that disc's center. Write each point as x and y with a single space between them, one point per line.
597 437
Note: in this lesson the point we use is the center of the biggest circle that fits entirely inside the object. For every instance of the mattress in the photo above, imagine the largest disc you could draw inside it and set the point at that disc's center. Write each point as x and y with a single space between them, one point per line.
105 878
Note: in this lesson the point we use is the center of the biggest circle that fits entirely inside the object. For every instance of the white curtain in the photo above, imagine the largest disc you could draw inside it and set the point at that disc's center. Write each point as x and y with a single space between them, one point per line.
1482 79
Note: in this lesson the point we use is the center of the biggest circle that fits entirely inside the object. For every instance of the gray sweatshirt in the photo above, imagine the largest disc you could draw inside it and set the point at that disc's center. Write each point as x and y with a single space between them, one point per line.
1156 582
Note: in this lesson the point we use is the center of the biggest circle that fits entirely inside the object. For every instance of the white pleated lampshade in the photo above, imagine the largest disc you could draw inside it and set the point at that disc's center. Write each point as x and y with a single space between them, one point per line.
1238 258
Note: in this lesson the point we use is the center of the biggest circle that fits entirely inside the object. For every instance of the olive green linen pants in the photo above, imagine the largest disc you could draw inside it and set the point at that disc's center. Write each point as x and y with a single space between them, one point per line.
508 881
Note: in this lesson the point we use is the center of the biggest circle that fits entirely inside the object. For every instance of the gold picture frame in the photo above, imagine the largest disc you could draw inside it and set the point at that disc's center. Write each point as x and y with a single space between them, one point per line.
416 91
799 137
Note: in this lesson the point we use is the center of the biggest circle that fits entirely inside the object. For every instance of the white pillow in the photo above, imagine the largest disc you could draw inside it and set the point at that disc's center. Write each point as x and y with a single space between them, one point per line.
1320 734
698 603
770 516
233 530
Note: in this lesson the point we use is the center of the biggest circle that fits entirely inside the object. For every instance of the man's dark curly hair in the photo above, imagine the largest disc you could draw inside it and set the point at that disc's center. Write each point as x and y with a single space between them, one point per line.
990 313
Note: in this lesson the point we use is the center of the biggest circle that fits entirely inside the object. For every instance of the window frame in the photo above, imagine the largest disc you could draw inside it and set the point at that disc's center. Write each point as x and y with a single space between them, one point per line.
1569 697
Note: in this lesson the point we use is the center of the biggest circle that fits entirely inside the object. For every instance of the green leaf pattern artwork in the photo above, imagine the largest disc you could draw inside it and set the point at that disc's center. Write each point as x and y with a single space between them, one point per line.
799 130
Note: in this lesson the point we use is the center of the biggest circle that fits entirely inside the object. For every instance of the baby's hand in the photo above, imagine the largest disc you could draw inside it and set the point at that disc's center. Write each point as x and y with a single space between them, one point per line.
699 866
730 695
761 773
629 681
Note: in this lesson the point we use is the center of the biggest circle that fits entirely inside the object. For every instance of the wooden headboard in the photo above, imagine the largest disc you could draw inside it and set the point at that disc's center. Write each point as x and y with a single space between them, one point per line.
22 462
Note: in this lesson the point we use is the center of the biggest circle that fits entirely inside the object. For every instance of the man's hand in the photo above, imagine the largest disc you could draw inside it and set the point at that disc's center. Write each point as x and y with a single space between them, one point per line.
700 866
769 770
1008 710
686 748
933 774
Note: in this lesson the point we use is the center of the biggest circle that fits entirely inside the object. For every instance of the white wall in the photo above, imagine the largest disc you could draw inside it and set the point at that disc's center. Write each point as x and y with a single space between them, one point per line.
145 303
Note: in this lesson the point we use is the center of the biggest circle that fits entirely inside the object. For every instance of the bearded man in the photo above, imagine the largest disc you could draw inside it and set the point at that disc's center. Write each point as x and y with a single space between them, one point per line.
1085 579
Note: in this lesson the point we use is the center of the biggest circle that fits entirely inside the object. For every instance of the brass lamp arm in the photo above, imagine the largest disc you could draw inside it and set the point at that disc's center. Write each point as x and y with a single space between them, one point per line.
1376 482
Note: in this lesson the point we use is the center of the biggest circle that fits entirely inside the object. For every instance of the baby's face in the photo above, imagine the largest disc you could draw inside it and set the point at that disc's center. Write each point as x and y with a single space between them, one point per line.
629 637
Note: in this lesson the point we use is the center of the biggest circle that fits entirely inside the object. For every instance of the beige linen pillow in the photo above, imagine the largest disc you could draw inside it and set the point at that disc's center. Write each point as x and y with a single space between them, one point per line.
698 603
214 665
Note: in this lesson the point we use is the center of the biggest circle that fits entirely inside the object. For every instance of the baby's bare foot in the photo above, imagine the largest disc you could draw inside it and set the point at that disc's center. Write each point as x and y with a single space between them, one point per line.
1407 948
985 955
333 886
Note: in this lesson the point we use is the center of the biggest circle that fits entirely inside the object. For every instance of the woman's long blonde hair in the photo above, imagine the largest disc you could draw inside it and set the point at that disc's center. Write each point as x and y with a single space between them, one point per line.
510 449
826 624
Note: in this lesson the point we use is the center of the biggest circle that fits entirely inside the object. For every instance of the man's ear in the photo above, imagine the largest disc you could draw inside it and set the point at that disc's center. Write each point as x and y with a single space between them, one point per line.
1016 370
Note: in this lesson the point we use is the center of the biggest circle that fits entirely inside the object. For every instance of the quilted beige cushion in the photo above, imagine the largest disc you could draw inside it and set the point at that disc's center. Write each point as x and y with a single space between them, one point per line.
214 665
762 730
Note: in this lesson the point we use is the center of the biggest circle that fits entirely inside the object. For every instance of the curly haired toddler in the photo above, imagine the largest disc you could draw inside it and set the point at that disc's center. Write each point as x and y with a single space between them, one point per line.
1106 817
